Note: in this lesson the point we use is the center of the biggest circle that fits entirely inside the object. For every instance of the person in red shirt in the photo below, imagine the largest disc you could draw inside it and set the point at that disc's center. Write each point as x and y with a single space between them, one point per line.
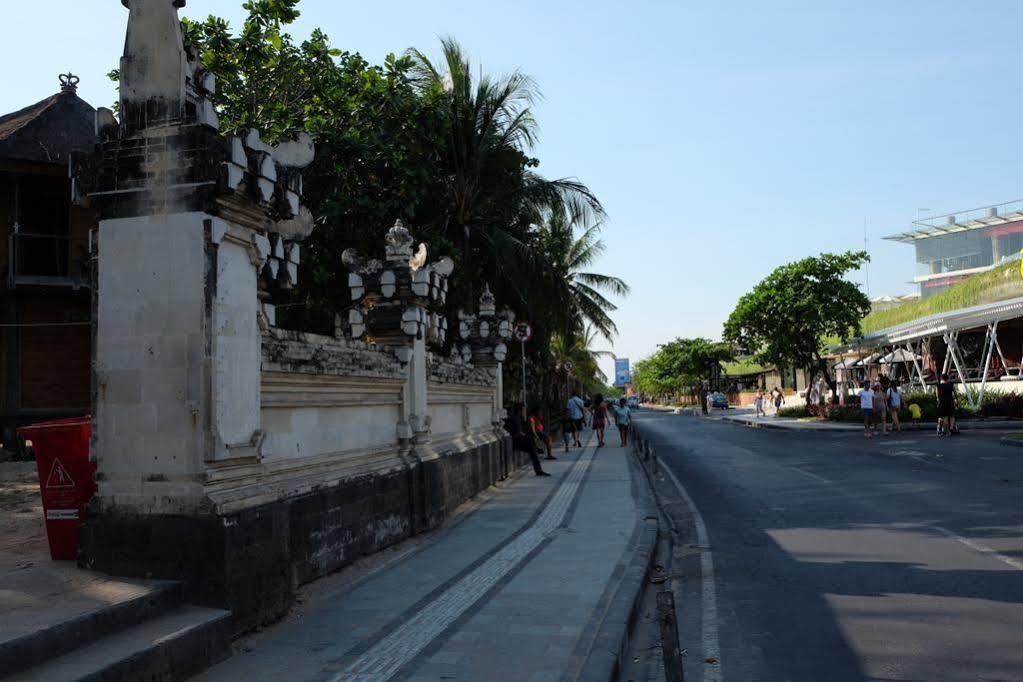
540 434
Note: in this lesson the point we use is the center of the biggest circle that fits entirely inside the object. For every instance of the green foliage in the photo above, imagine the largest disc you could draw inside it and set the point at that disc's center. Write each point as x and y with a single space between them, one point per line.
787 316
998 284
446 148
679 366
741 367
795 412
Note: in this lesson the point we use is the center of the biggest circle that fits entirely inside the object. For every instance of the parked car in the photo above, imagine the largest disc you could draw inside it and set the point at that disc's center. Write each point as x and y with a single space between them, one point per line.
719 400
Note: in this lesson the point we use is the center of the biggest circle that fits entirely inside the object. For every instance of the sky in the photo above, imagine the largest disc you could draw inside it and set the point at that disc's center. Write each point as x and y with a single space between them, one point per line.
724 139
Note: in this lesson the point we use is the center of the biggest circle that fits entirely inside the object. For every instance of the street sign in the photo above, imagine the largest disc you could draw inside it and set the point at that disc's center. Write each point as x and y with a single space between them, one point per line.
623 375
569 366
523 332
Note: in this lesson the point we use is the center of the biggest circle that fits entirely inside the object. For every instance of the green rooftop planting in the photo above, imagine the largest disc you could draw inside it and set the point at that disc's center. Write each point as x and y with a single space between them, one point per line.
999 284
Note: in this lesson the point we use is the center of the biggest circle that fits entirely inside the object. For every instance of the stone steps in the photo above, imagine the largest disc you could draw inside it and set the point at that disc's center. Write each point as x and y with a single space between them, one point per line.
172 646
152 636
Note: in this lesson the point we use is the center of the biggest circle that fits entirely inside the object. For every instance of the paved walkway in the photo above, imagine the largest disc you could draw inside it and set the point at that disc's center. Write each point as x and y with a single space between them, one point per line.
519 589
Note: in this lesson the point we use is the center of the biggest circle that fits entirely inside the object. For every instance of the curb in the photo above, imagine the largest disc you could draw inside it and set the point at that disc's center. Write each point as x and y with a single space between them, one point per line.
1011 442
611 643
850 428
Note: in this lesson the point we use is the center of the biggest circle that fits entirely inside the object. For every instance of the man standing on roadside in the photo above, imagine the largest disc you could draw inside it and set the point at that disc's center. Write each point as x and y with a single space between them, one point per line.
576 412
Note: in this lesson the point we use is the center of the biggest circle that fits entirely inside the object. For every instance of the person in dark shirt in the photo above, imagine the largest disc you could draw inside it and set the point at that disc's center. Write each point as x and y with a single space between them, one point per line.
946 406
522 439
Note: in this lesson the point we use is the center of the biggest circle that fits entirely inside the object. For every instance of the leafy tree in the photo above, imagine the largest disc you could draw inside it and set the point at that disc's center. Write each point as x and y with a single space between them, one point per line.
680 366
378 138
787 317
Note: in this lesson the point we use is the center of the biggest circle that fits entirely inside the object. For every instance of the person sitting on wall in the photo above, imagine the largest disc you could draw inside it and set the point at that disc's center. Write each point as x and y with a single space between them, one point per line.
540 436
518 427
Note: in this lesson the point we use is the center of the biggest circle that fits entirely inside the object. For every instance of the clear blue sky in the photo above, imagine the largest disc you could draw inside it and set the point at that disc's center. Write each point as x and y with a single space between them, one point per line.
724 138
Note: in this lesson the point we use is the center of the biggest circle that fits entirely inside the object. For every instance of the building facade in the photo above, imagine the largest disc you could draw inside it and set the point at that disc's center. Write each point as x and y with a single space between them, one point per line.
952 247
45 307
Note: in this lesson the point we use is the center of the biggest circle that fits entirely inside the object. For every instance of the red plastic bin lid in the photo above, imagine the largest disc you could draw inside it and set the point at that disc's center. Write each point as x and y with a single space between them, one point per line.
45 426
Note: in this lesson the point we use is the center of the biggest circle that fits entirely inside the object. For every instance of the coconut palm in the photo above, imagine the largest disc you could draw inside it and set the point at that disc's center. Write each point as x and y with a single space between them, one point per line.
569 257
491 193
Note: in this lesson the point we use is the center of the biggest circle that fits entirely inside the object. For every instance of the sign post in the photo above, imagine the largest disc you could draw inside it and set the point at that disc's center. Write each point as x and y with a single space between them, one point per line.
523 332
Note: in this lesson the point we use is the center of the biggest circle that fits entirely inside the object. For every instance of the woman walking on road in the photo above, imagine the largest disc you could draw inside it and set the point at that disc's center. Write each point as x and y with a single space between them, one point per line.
758 402
895 403
599 412
880 409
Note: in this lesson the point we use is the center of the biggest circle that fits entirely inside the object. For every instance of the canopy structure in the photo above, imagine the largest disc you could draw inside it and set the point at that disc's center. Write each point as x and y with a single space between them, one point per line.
872 359
910 341
900 355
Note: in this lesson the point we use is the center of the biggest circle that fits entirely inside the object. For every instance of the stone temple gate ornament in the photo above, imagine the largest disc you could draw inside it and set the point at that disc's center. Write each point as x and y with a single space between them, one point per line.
400 297
485 334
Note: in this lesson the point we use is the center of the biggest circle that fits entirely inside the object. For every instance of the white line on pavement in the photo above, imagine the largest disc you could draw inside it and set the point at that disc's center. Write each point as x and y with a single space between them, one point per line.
709 599
384 659
983 549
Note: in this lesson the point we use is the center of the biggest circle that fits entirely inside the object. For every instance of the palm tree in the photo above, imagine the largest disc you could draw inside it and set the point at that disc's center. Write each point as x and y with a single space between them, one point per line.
578 349
569 258
492 195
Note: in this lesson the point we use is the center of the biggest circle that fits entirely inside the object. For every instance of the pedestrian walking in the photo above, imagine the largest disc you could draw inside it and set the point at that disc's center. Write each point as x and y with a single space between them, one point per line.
623 419
880 409
566 427
540 435
758 402
866 407
522 440
576 412
895 404
599 412
946 406
778 398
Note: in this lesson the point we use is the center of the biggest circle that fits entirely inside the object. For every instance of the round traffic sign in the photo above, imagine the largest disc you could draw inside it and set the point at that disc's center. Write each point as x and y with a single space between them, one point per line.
523 332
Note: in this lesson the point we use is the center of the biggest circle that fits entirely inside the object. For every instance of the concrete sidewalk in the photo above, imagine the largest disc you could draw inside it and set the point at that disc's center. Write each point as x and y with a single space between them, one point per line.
536 583
747 417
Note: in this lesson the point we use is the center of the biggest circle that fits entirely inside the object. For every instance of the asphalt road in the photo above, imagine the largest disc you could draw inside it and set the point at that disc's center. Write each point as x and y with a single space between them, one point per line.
841 558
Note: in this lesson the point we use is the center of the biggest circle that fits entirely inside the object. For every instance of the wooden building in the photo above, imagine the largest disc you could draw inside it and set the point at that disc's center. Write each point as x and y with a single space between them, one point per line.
45 305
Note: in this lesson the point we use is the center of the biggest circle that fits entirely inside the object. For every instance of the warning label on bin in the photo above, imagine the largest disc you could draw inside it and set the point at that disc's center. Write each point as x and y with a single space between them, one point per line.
61 514
59 477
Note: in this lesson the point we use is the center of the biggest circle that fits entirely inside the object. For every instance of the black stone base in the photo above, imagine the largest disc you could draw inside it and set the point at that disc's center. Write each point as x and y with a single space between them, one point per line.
252 562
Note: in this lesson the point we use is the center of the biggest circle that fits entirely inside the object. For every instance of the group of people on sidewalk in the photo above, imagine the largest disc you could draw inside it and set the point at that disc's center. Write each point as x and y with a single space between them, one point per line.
878 404
529 433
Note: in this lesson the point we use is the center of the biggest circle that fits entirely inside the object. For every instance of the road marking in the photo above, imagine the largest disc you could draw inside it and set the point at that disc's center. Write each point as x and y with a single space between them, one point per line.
384 659
708 599
983 549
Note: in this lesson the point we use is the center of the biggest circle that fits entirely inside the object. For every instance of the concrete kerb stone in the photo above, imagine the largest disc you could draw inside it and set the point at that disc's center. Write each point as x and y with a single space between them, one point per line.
611 643
1011 441
768 423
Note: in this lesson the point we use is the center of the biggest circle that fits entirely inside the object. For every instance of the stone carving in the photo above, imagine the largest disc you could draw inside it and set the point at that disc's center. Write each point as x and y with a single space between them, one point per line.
485 333
154 67
400 297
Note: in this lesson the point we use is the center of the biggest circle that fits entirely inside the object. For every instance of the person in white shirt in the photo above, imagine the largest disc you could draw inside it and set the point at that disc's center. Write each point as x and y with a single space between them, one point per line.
576 413
866 407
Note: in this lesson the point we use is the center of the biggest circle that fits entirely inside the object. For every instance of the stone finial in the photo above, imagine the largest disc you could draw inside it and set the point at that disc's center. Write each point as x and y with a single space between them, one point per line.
399 243
488 304
68 82
154 67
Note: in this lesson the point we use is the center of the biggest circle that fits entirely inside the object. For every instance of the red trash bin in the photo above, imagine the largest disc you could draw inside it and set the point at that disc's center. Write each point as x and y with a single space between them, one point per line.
66 478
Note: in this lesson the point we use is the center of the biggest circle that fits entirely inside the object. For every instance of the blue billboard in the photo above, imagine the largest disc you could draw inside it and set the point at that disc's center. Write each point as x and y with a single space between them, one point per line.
623 375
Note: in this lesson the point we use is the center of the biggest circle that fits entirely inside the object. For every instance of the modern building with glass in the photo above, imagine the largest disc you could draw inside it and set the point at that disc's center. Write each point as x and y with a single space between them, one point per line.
952 247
